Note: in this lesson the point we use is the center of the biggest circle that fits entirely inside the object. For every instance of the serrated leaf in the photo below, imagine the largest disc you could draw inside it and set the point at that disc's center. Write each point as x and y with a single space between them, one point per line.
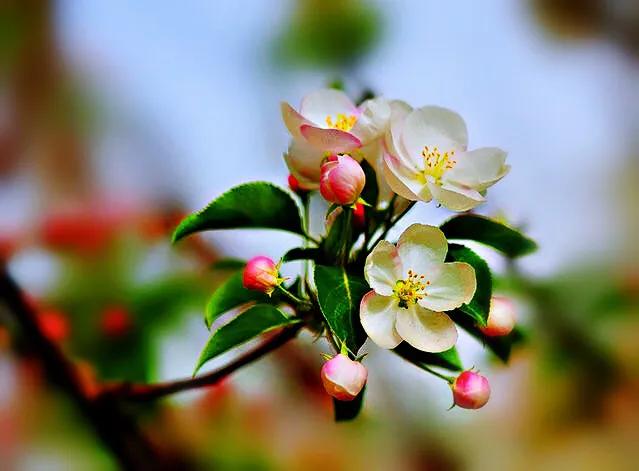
348 410
486 231
500 346
339 295
229 295
301 253
448 359
254 321
479 306
251 205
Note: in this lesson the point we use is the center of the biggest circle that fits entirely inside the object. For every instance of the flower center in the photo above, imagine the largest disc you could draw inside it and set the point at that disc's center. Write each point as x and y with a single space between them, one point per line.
410 290
342 122
436 163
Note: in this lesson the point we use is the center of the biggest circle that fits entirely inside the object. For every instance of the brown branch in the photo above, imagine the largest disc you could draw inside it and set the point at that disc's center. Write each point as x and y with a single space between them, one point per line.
117 431
150 392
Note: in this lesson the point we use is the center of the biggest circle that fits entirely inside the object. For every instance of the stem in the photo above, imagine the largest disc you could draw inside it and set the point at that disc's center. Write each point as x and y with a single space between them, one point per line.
391 223
117 431
448 379
307 236
150 392
292 297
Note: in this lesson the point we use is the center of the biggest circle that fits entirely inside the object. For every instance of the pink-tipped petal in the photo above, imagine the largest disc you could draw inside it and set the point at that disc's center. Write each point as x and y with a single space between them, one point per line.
330 140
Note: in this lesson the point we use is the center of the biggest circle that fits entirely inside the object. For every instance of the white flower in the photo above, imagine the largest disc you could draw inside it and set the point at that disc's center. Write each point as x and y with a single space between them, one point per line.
329 123
427 158
412 286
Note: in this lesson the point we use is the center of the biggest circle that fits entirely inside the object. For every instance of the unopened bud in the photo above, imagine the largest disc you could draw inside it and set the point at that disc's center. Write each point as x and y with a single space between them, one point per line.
501 318
343 378
342 180
470 390
261 274
359 217
294 185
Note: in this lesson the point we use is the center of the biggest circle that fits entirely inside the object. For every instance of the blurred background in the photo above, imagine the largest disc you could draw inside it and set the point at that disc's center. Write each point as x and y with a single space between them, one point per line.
117 118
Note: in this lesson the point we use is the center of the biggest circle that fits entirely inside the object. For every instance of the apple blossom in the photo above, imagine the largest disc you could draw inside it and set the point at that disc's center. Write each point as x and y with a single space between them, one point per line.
501 317
470 390
329 123
342 180
343 378
427 158
411 289
261 274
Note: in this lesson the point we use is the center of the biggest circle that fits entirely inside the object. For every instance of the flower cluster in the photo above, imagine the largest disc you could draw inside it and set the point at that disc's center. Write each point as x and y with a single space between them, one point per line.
372 162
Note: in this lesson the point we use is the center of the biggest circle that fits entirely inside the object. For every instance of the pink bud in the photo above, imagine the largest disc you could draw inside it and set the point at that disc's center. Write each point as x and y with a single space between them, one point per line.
294 185
471 390
260 274
501 318
343 378
359 217
342 180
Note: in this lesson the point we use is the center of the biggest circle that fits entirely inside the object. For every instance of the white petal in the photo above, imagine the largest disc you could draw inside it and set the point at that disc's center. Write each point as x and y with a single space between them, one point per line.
456 198
373 121
426 330
451 285
320 104
293 120
304 163
420 247
404 181
383 268
478 169
330 140
392 140
434 126
377 315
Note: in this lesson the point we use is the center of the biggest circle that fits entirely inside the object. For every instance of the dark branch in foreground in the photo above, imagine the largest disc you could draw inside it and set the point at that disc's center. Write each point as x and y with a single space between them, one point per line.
117 431
149 392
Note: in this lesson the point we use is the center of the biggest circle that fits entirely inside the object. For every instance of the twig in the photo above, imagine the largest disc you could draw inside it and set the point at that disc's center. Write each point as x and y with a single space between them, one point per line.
391 223
116 430
150 392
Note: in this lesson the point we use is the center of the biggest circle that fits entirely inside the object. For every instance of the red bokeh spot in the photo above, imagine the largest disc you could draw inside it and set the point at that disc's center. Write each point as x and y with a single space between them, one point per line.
116 321
54 325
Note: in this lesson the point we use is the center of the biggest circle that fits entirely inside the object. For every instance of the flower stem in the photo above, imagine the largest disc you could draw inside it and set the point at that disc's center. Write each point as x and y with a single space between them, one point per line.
391 223
292 297
448 379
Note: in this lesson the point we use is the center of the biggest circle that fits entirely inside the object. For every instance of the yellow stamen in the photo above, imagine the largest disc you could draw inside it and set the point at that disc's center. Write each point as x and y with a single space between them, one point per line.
342 122
437 163
411 289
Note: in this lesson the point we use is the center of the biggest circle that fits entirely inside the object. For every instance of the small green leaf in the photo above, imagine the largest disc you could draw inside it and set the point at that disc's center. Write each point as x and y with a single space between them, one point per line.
229 295
251 205
370 194
500 346
338 239
348 410
486 231
251 323
479 306
339 295
448 359
301 253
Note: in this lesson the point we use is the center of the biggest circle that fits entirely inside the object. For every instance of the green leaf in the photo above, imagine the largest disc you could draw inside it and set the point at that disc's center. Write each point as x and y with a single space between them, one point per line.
348 410
479 306
251 323
338 241
486 231
229 295
339 295
500 346
448 359
301 253
370 193
251 205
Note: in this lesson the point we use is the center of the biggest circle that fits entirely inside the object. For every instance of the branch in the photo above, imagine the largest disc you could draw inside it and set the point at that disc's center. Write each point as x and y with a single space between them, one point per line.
116 430
150 392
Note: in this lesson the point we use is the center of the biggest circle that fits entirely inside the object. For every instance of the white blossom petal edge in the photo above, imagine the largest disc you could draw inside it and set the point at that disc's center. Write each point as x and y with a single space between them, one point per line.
426 157
411 286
